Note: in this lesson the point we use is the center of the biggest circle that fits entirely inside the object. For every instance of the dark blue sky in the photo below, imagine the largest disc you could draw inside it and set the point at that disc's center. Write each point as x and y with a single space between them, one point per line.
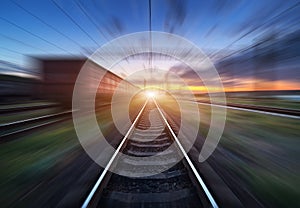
73 26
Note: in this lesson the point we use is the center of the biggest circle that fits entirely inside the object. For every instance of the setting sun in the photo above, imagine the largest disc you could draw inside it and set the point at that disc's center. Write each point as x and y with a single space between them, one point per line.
150 94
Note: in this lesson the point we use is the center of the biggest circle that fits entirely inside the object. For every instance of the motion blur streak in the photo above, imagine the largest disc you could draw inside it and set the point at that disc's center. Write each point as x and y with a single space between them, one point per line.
254 46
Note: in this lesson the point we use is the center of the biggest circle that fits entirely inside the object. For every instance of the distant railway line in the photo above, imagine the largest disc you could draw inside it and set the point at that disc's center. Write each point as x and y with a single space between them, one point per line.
13 130
17 109
281 112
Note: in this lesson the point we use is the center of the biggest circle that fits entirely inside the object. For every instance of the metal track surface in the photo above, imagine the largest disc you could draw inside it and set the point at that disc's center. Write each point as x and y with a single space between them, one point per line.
179 186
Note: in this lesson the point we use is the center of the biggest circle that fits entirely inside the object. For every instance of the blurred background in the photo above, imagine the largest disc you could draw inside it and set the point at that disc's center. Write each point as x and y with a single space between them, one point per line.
254 45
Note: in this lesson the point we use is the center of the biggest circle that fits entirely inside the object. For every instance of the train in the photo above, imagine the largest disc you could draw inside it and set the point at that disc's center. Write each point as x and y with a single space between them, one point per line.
56 82
13 88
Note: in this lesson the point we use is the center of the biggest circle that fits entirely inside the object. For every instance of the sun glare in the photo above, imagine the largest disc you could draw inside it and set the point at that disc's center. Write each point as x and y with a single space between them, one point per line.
150 94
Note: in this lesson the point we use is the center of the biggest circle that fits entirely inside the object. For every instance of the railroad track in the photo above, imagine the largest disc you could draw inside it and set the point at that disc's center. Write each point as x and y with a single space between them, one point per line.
151 134
14 129
27 108
281 112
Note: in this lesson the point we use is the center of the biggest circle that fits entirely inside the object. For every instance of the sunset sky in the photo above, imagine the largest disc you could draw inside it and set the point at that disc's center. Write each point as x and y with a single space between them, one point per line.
227 31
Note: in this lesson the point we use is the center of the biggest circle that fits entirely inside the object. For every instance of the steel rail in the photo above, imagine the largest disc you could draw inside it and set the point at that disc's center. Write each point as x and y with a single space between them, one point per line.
30 128
250 110
201 182
35 118
100 179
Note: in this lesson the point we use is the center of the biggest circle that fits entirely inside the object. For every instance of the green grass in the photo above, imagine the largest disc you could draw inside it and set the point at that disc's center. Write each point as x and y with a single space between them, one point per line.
28 161
262 152
270 102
